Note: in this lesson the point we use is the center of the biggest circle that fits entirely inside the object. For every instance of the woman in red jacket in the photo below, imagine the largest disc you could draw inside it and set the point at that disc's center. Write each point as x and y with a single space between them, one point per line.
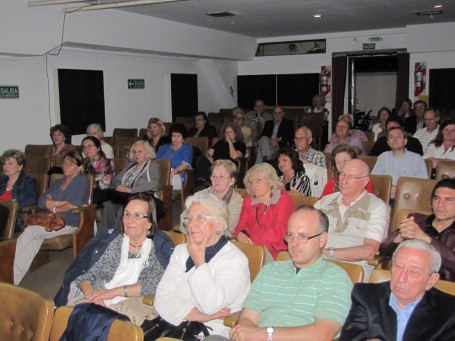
265 210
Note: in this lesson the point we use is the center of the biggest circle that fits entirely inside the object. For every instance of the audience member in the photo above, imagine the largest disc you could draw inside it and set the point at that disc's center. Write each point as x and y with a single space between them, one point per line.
343 137
256 119
208 277
405 109
428 134
407 307
277 134
292 171
65 194
352 132
340 155
223 175
318 105
96 130
358 220
305 297
156 134
437 229
399 161
380 127
265 210
129 266
15 185
303 138
61 143
180 154
239 118
382 146
443 145
415 122
141 174
230 147
101 167
202 127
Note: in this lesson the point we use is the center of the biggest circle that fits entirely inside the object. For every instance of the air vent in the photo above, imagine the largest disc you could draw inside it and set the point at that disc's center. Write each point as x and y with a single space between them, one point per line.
221 14
430 13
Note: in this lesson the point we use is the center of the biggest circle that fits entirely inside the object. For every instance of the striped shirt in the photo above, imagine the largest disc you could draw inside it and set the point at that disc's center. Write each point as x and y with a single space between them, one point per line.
425 137
284 298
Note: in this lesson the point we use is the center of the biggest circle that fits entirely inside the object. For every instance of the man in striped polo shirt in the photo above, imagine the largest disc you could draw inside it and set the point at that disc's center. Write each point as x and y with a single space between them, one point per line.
305 296
427 134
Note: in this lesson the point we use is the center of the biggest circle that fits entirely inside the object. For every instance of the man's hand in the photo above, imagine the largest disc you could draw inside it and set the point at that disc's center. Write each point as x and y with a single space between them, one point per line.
410 230
241 333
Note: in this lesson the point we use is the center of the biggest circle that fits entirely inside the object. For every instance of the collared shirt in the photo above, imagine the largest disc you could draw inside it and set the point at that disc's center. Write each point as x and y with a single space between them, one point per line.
313 156
403 314
425 137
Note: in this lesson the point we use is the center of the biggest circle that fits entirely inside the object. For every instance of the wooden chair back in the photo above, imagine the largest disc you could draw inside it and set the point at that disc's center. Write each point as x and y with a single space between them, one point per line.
255 255
176 237
37 164
7 254
142 132
12 206
37 150
25 314
201 142
382 186
315 122
369 135
125 141
429 166
42 182
328 160
414 194
369 160
165 171
120 330
445 169
354 271
241 191
120 164
300 200
124 132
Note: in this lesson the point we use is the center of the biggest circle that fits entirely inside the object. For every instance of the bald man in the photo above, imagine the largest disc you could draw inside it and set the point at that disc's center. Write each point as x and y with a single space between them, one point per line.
358 220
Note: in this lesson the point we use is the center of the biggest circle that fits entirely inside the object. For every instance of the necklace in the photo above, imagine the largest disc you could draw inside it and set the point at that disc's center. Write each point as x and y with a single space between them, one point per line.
137 250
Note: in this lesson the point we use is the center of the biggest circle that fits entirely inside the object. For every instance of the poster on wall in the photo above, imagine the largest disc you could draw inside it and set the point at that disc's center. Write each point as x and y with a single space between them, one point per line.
325 83
420 75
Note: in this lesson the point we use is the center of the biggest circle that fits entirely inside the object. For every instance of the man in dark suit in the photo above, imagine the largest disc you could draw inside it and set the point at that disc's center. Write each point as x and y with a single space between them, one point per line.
406 308
277 133
382 146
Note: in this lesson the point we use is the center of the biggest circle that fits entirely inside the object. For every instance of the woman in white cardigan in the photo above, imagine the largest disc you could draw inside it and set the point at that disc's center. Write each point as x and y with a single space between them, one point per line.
208 277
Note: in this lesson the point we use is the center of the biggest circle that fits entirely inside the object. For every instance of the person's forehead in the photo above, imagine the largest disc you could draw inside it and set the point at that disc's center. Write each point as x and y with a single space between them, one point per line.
304 222
393 124
259 103
301 133
430 115
445 192
352 168
342 123
415 257
396 133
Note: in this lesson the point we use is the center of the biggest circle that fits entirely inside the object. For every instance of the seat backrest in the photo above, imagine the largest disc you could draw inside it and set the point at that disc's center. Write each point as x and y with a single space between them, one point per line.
142 132
445 169
12 216
165 171
241 191
429 166
124 132
125 140
328 160
90 178
176 237
120 163
201 142
255 255
37 149
382 186
403 213
414 194
369 135
25 314
354 271
37 164
120 330
42 181
300 200
369 160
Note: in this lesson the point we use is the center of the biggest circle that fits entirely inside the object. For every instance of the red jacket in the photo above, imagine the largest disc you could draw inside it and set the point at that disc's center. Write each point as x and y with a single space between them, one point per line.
266 226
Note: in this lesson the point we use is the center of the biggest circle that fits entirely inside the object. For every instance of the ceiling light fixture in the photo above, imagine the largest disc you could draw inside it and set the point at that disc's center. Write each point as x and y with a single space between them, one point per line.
438 6
430 13
317 15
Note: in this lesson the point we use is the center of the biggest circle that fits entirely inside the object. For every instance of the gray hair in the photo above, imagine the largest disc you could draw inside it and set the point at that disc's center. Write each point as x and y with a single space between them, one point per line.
16 154
269 174
148 149
307 130
217 207
418 244
97 127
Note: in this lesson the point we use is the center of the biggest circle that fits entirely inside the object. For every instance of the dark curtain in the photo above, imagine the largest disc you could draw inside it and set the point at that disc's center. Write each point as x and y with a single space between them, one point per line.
402 79
339 65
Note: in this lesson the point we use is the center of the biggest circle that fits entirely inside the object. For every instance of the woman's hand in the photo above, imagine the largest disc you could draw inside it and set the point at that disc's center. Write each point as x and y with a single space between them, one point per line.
243 238
196 315
197 251
122 188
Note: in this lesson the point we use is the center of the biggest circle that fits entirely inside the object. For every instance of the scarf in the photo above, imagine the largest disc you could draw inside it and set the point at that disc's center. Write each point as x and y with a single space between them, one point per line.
227 197
210 252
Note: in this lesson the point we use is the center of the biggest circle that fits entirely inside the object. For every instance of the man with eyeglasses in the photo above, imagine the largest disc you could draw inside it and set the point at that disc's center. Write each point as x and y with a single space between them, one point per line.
408 307
358 220
399 161
239 120
277 134
303 138
305 295
415 122
428 134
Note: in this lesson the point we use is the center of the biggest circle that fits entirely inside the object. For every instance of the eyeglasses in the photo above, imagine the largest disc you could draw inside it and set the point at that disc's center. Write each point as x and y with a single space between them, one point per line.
300 139
87 146
255 181
351 177
135 216
302 238
218 178
199 219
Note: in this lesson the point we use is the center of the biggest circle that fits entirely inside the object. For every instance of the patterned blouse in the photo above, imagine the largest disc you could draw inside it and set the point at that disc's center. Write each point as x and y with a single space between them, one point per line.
300 182
103 171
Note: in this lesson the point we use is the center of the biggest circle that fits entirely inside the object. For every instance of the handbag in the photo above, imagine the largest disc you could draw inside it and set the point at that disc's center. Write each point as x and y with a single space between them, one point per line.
187 331
50 221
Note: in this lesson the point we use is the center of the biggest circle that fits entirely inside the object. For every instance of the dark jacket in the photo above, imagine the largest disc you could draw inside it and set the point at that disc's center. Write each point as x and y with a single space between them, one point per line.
24 193
285 131
371 316
90 254
444 242
381 146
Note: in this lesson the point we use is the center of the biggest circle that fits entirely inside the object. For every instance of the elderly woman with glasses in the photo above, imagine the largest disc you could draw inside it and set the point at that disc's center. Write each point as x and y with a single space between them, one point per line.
96 130
208 277
265 210
223 175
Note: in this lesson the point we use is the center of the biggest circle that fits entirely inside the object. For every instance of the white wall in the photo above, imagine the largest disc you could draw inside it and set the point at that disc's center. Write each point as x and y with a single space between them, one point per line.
375 90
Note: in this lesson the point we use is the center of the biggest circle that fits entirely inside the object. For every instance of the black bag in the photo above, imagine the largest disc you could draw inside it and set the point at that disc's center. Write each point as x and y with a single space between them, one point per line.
187 331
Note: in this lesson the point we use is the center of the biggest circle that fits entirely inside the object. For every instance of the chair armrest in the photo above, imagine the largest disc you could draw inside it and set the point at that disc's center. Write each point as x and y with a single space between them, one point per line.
380 262
7 254
30 209
85 230
149 299
83 208
231 320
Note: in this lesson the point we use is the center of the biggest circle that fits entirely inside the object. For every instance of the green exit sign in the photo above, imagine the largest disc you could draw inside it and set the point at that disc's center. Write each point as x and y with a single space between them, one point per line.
369 46
9 91
136 84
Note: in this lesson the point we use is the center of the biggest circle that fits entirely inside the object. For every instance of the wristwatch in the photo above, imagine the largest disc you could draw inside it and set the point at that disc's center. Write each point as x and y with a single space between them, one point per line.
270 331
331 251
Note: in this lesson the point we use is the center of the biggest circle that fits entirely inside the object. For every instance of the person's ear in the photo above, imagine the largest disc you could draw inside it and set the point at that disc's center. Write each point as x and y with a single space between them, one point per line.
434 278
